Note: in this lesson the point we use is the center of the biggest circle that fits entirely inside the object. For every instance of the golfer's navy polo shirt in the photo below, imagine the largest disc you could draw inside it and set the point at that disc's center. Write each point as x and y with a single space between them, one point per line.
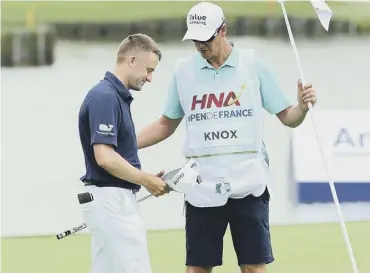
105 118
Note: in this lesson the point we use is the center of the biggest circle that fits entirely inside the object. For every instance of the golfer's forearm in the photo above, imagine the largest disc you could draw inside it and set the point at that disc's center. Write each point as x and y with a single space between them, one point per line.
294 116
117 166
153 134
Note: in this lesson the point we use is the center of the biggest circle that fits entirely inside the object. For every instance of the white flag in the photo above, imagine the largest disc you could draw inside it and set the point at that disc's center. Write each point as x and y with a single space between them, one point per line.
323 12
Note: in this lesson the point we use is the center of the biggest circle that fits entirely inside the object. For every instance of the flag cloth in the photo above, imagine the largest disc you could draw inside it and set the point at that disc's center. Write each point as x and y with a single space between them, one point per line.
323 12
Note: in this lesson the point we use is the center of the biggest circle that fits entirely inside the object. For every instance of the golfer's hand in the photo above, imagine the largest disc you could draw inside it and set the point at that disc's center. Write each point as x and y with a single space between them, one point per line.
160 175
306 95
155 185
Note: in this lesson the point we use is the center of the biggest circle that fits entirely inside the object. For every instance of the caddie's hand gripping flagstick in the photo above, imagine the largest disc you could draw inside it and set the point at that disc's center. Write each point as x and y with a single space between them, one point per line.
324 14
178 180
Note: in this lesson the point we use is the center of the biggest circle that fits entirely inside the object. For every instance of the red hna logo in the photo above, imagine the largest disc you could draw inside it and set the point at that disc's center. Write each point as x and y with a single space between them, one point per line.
209 100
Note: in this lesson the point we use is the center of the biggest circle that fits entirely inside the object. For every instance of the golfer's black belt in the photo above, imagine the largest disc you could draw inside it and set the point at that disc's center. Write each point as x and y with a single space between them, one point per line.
90 183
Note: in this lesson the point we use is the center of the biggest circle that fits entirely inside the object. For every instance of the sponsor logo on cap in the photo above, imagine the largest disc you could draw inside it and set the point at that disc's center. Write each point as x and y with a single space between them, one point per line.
195 19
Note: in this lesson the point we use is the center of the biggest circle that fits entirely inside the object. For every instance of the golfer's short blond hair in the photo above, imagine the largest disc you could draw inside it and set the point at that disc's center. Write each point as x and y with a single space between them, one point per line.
137 41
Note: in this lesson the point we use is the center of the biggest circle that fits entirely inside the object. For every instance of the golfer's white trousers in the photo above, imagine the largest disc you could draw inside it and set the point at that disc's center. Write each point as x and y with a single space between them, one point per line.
119 243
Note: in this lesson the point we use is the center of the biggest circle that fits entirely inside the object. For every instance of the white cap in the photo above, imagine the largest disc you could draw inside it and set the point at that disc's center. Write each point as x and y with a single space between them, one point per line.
203 20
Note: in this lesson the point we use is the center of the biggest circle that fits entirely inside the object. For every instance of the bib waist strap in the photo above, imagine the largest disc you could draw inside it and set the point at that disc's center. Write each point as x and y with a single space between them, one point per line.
222 154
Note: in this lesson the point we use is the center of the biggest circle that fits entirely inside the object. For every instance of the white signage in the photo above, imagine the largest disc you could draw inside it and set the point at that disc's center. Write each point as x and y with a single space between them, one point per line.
345 141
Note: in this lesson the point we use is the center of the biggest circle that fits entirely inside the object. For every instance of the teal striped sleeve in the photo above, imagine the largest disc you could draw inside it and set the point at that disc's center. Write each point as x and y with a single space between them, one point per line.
173 108
273 98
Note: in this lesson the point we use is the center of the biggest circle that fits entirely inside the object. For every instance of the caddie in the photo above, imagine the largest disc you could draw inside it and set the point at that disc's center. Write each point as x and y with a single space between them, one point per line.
220 93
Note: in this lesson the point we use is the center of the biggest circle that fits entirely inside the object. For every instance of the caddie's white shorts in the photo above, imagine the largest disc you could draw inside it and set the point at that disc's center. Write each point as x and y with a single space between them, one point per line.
119 243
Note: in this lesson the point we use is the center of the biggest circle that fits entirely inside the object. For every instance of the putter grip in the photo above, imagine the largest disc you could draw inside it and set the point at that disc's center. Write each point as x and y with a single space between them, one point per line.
63 234
83 198
71 231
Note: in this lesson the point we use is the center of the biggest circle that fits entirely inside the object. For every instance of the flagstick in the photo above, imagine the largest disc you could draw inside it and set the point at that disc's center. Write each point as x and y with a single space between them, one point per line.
331 183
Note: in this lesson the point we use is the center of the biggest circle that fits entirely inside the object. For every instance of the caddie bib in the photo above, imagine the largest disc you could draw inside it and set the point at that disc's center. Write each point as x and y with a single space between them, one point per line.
223 119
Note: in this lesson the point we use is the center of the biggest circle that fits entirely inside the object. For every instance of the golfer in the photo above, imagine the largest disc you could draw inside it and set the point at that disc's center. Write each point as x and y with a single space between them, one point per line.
220 92
113 174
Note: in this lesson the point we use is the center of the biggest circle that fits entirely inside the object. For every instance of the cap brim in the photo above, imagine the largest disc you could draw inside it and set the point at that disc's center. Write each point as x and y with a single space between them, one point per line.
168 176
199 35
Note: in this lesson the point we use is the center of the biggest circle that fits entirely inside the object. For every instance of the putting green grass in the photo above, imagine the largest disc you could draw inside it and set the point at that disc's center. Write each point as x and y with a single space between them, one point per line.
15 12
318 248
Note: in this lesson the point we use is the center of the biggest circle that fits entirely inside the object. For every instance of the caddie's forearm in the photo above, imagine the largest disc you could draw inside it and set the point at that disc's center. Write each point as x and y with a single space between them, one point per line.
152 134
119 167
294 116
